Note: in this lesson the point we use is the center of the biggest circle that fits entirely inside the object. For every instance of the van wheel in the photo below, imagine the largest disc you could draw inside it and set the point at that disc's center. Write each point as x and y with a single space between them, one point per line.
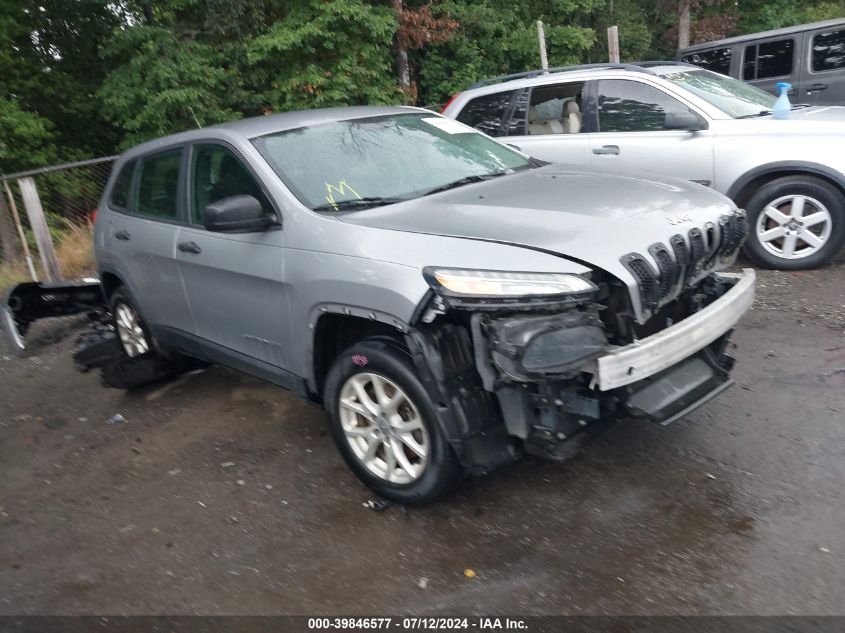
384 425
133 335
796 222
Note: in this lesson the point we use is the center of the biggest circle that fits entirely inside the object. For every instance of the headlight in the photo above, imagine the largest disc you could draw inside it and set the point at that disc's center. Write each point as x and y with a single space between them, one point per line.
504 284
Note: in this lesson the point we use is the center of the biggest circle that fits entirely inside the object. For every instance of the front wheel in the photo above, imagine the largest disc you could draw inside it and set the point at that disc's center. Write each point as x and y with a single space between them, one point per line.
796 222
384 425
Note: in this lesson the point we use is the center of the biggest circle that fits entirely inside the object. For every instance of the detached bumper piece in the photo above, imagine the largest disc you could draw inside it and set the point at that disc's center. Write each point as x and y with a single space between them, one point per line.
26 303
99 348
96 348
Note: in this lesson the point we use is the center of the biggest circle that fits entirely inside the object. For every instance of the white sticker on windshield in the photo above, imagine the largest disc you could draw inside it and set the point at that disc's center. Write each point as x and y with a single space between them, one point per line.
448 125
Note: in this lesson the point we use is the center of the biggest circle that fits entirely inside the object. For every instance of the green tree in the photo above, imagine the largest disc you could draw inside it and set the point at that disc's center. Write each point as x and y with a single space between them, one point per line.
497 37
320 54
164 83
26 139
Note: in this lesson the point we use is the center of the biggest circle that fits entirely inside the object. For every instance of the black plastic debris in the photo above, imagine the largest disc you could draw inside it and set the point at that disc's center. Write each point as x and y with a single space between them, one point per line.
26 303
378 505
99 348
54 424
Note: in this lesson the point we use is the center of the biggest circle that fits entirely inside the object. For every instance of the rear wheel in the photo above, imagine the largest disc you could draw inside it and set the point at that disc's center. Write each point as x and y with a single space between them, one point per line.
131 331
384 425
796 222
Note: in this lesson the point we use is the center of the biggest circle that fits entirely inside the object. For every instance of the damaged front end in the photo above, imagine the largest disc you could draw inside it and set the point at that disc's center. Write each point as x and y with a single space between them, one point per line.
552 371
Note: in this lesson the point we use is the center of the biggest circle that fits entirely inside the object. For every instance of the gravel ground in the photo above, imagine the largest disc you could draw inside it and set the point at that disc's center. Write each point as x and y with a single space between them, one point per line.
219 494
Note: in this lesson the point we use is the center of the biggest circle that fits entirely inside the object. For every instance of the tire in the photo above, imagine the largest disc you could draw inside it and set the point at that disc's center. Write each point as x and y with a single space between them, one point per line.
777 215
132 332
407 430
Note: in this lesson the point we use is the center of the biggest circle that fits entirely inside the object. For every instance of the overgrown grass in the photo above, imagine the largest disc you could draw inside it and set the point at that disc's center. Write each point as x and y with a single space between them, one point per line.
74 250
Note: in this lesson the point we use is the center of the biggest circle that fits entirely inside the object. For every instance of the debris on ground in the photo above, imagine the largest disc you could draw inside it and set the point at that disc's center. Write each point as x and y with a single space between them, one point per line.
240 482
227 464
470 573
54 424
379 505
116 419
175 471
423 583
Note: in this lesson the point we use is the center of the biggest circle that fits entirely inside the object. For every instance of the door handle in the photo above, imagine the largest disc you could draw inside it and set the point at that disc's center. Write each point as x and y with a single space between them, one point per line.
607 149
122 235
816 87
189 247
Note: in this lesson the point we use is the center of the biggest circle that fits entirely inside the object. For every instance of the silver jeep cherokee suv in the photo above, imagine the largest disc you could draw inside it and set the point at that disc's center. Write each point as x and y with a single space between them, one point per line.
674 119
450 301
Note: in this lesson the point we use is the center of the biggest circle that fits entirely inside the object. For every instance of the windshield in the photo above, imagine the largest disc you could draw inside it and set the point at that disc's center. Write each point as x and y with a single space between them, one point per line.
360 163
730 95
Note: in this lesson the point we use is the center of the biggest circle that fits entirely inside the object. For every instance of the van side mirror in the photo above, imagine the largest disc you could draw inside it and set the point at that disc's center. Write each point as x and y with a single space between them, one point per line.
239 214
689 121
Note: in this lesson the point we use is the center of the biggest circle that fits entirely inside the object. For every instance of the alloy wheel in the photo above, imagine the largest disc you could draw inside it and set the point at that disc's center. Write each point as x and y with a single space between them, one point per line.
794 226
384 428
129 330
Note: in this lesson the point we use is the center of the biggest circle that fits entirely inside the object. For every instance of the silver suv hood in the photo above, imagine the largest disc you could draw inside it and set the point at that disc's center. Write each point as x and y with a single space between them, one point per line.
586 216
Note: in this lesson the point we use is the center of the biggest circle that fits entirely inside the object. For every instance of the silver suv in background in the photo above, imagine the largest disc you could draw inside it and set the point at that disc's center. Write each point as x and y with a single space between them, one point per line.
811 57
451 302
678 120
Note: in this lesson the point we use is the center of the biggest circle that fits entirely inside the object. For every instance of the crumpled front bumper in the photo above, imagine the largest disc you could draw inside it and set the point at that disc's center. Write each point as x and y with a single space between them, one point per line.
625 365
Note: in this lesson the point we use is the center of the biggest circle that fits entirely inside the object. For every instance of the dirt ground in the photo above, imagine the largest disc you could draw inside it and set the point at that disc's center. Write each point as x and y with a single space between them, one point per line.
220 494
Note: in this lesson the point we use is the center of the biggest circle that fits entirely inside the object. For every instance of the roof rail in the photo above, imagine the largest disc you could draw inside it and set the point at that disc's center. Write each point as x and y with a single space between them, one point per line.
653 63
556 69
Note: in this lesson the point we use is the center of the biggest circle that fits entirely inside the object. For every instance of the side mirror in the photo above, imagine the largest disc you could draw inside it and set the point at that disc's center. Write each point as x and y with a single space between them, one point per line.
236 214
689 121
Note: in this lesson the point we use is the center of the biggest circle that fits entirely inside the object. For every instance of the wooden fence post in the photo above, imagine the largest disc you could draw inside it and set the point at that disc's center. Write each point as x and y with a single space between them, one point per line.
613 44
38 222
17 220
7 229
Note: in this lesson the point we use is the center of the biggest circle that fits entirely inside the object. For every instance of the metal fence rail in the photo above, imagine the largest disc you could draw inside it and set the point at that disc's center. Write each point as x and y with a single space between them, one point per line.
37 206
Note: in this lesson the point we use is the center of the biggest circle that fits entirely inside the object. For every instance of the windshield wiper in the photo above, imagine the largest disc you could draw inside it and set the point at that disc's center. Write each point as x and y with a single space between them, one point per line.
757 114
467 180
358 203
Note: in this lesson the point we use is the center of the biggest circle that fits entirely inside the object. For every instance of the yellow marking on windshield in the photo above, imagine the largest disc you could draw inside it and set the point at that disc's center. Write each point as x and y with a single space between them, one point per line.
342 189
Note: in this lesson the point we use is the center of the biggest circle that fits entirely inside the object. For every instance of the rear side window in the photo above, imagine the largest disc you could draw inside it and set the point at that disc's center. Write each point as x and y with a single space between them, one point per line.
718 60
158 184
771 59
631 106
829 51
486 113
122 187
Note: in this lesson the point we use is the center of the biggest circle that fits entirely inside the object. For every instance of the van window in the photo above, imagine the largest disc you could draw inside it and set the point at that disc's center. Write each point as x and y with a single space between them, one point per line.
770 59
556 109
158 184
718 60
486 113
631 106
829 50
122 185
516 124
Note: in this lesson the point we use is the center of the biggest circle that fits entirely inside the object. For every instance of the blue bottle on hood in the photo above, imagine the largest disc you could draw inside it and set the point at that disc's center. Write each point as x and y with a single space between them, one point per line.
782 106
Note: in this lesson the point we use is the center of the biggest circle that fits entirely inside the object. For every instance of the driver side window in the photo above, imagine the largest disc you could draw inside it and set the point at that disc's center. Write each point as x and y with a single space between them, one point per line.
216 173
632 106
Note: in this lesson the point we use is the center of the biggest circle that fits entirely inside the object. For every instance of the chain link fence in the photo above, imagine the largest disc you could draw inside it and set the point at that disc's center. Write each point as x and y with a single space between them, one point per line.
45 220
